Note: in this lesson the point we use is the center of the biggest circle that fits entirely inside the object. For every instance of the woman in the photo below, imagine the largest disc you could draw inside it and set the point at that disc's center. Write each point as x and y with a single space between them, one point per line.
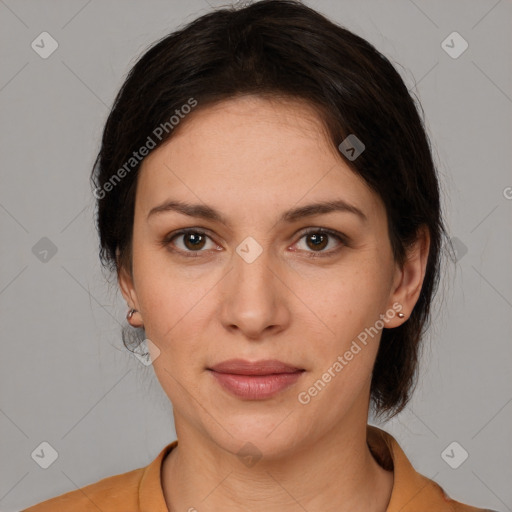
268 201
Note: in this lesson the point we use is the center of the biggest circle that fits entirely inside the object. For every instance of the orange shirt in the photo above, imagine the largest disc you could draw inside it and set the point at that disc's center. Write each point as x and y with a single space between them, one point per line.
140 490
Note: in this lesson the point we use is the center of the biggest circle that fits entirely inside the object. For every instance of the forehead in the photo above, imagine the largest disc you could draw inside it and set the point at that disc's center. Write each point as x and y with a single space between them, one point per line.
252 150
280 129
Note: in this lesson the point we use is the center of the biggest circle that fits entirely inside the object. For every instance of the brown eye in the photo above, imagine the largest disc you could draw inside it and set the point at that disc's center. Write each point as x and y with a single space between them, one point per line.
193 240
187 242
318 239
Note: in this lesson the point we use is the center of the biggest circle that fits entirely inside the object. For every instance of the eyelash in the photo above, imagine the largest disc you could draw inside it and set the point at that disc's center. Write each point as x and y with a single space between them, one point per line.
167 241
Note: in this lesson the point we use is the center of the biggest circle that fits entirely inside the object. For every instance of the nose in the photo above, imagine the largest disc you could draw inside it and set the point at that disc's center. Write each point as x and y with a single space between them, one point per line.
255 298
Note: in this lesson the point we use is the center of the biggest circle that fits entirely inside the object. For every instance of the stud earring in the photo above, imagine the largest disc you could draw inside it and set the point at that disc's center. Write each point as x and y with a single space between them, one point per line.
401 315
130 314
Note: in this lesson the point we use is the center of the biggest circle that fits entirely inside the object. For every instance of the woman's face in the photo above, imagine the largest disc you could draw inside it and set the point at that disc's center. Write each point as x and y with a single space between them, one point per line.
254 285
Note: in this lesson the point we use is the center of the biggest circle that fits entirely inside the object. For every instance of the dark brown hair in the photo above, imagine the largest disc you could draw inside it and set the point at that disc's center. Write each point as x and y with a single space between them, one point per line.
284 49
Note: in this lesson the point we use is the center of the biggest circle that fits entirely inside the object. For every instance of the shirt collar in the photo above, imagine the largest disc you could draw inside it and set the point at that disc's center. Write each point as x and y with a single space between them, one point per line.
411 491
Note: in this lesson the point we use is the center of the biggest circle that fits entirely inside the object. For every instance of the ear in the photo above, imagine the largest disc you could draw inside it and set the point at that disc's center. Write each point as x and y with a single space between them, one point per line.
127 287
409 277
125 281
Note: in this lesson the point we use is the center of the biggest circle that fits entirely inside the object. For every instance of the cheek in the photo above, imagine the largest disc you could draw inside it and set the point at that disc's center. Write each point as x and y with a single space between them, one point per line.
345 353
164 289
177 302
166 297
348 298
173 314
349 304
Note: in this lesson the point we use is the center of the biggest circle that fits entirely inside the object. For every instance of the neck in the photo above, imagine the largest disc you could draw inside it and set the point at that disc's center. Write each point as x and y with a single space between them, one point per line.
336 473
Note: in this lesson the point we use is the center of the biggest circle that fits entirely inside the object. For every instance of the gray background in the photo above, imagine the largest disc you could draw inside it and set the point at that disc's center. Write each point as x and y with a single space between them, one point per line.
65 377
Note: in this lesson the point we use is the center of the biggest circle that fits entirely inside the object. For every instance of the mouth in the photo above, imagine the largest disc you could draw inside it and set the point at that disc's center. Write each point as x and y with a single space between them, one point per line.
257 380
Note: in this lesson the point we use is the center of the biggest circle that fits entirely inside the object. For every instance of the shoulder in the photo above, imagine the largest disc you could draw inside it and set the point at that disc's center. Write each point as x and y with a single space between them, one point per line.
139 489
452 505
114 493
412 491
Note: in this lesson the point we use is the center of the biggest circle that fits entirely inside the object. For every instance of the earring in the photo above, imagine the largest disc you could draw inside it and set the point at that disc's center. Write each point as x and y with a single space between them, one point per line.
130 314
401 315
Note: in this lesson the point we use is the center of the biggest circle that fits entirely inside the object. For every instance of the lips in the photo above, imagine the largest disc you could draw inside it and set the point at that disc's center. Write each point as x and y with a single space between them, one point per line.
263 367
257 380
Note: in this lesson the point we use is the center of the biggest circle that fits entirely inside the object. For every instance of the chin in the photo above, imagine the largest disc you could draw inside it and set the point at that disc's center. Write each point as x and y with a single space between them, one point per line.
271 435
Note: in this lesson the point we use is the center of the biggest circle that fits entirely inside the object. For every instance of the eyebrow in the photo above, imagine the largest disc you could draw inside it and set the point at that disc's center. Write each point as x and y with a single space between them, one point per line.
209 213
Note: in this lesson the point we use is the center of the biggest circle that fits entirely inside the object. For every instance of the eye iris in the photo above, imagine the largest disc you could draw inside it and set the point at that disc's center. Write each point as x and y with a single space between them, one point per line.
195 238
317 244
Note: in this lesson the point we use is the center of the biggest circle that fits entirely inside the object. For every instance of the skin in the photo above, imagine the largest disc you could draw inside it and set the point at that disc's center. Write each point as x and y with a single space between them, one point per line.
253 159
